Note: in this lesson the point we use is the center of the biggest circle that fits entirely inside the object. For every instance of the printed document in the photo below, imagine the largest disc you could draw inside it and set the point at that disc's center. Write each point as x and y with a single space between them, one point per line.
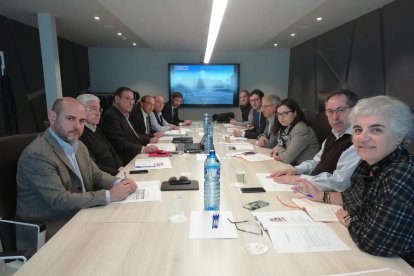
275 218
165 146
258 157
270 185
146 191
153 163
239 146
317 210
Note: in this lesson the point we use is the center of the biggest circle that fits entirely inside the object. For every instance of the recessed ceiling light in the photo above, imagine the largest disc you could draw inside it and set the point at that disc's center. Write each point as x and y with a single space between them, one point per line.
119 34
97 18
319 18
134 44
275 44
292 34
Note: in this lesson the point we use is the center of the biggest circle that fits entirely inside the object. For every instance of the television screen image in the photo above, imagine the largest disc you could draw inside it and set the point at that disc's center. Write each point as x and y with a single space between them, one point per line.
205 84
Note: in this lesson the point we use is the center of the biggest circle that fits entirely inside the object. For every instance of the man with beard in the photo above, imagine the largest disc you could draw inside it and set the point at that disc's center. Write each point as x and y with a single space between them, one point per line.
56 176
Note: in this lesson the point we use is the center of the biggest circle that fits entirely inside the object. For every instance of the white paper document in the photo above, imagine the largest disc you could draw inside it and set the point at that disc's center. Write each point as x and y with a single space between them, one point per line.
237 139
176 132
308 237
317 210
146 191
155 163
201 226
165 146
270 185
276 218
258 157
239 146
165 139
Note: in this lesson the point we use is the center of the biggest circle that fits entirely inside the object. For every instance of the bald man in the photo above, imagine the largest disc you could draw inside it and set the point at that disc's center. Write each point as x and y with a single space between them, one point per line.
56 176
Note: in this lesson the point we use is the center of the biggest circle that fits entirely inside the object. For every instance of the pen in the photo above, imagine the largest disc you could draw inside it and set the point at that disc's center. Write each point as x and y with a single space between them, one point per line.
303 193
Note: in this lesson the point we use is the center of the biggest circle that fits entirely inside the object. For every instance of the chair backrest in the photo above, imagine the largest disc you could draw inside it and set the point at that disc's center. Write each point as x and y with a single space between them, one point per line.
319 123
11 148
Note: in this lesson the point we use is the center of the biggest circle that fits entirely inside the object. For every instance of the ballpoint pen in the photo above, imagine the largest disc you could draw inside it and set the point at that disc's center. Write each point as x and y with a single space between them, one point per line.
303 193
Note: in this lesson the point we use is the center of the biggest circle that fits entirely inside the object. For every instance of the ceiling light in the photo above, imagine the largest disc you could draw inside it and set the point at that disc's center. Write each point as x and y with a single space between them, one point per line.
292 34
119 34
319 18
97 18
217 12
134 44
275 44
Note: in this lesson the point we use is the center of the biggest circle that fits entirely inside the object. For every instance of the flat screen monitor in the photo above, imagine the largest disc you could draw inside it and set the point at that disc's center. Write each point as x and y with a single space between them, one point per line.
214 85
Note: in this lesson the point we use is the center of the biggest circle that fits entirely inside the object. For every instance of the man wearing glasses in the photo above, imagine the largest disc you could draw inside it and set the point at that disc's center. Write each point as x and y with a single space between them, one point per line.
140 118
269 106
333 165
119 130
100 149
258 123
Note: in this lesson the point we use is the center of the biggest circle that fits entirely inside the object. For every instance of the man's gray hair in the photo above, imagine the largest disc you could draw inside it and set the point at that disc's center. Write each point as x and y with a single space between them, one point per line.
390 108
85 98
273 99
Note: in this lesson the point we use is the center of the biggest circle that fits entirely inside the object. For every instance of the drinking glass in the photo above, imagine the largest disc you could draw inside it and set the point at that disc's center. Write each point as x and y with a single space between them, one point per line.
254 238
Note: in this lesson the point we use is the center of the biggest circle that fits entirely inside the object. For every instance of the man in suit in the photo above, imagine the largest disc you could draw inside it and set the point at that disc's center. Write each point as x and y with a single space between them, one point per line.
158 123
245 108
269 105
170 110
140 118
258 123
119 130
56 176
100 149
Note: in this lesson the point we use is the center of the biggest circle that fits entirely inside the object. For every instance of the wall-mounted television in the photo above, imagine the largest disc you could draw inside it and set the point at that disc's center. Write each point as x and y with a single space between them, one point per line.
215 85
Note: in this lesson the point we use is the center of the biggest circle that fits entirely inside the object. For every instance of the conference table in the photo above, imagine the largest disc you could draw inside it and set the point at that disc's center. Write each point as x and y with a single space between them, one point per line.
137 238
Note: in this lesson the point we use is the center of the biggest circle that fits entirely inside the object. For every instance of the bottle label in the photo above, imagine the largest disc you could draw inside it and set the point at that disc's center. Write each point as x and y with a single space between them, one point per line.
212 171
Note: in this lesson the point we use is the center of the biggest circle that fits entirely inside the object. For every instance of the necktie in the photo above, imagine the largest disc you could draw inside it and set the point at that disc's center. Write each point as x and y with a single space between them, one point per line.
148 124
174 113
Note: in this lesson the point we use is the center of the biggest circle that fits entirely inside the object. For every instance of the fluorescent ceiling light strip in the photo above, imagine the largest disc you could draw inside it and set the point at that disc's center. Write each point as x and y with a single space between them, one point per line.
217 12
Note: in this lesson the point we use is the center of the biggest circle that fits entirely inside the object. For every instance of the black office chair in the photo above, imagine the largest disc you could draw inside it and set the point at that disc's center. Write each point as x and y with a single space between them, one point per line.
11 147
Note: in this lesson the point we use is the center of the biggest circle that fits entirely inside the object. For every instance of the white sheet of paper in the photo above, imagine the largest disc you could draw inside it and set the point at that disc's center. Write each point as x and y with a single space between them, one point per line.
308 237
275 218
317 210
270 185
239 146
200 226
165 146
155 163
176 132
258 157
237 139
166 139
228 125
146 191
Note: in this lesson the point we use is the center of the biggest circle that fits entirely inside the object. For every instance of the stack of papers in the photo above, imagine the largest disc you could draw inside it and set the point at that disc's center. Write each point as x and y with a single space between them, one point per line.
295 231
153 163
176 132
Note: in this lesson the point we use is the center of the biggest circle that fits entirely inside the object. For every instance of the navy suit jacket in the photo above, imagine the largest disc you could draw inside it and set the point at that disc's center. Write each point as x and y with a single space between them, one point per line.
137 120
254 133
167 114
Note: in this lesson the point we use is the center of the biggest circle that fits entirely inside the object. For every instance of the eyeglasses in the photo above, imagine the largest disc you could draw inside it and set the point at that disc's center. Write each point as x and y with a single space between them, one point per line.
254 100
242 230
128 99
149 103
283 114
266 106
338 111
94 109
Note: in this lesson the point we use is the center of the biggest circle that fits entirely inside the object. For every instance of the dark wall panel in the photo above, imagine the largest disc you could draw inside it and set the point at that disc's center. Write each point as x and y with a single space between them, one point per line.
399 50
366 67
302 75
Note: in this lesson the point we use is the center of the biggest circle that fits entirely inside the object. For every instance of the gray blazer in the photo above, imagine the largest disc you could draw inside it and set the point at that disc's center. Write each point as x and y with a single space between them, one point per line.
302 145
48 188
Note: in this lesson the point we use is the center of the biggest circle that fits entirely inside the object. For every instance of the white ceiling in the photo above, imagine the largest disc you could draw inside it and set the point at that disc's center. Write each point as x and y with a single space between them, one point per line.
183 24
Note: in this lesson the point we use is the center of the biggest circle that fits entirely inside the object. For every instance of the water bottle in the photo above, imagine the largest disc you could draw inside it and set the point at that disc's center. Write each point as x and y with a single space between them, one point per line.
208 139
211 182
205 122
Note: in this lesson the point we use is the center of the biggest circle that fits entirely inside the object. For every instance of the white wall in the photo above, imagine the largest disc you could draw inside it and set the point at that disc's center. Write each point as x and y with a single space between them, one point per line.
146 71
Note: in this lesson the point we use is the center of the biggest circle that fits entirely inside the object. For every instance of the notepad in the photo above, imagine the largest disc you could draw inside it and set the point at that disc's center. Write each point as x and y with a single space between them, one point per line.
317 210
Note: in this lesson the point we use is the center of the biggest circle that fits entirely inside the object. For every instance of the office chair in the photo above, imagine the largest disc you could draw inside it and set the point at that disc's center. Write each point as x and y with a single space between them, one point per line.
11 147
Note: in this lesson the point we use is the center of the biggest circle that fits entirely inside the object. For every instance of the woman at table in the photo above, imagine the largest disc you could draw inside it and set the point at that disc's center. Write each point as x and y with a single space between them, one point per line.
378 208
296 140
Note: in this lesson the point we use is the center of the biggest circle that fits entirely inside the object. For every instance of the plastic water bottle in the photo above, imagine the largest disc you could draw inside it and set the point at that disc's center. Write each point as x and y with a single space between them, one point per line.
211 182
208 139
206 121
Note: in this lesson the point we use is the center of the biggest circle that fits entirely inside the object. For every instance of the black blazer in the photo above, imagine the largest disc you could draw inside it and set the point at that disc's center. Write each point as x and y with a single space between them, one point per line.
101 151
254 133
137 120
119 133
167 114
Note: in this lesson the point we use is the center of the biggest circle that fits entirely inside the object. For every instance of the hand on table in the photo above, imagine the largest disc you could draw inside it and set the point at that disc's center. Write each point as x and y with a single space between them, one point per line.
122 190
